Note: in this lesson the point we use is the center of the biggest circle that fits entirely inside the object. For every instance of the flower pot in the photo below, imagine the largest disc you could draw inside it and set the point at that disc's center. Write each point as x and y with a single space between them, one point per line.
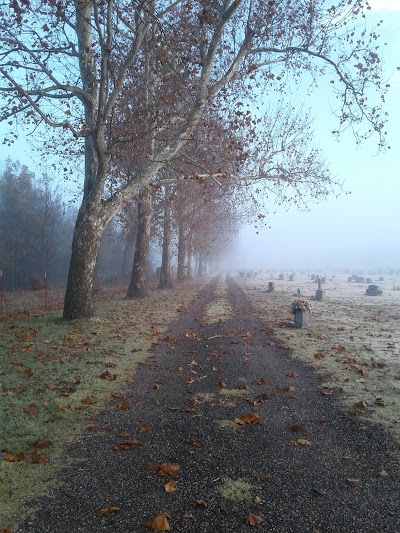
301 318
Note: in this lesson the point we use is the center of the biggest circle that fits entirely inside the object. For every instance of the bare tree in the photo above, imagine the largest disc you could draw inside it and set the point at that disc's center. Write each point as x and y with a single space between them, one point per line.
69 66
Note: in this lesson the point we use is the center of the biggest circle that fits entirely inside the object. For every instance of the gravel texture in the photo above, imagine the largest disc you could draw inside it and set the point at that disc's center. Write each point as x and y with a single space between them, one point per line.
341 477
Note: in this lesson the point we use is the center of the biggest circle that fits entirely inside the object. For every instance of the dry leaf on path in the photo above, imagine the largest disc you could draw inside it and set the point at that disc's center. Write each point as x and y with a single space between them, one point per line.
248 418
165 469
109 510
300 442
170 486
158 522
126 445
253 519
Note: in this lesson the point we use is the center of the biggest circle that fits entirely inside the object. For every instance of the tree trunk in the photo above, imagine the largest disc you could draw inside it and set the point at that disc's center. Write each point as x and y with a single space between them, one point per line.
180 274
89 228
165 272
129 250
189 275
200 271
138 284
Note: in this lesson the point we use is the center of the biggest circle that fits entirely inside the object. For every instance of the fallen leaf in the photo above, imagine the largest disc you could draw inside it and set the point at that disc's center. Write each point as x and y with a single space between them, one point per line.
93 429
31 409
42 443
109 510
144 427
126 445
158 522
380 402
322 419
319 355
170 486
277 392
123 434
258 399
122 405
326 391
88 400
257 500
107 376
221 383
297 427
248 418
291 389
28 372
293 375
194 442
260 381
14 457
382 473
110 364
353 482
165 469
39 459
301 442
200 504
253 519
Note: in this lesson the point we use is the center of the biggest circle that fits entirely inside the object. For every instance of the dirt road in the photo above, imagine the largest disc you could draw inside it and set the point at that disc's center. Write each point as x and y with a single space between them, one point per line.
258 442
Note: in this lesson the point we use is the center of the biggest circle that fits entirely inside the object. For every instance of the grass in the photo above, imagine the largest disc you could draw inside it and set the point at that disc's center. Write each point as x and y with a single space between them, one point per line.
235 490
55 376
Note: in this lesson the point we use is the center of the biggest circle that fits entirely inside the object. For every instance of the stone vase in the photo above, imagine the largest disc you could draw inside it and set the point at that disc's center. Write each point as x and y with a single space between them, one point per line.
301 318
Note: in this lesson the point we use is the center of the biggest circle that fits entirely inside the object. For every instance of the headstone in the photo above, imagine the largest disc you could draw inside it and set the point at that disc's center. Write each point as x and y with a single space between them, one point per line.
319 284
381 278
360 279
313 277
271 286
281 276
320 294
374 290
291 278
323 279
350 278
368 280
301 319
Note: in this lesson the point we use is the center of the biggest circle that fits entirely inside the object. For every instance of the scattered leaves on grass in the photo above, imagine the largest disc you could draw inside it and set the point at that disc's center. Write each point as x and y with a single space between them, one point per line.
126 445
253 519
158 522
248 418
109 510
165 469
170 486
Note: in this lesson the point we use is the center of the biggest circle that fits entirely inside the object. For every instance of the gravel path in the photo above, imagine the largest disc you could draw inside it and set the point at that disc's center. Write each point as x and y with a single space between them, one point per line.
303 468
